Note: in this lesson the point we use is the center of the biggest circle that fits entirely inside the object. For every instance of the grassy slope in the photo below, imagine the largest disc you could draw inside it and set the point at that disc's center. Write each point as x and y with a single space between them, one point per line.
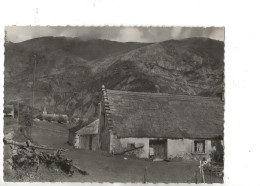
100 166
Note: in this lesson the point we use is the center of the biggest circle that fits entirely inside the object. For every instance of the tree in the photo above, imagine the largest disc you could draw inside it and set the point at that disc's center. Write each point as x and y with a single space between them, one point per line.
26 121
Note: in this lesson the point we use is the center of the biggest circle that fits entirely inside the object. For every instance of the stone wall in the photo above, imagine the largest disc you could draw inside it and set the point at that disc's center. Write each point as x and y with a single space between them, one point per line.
84 142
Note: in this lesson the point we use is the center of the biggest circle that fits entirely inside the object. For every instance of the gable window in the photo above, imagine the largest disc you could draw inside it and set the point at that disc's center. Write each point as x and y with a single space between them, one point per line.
199 146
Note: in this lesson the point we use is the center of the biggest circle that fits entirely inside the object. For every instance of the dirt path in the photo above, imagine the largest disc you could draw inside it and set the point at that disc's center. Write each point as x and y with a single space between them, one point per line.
105 168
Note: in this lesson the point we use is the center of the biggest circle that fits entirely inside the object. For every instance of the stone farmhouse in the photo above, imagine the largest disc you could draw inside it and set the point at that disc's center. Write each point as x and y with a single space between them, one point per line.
160 125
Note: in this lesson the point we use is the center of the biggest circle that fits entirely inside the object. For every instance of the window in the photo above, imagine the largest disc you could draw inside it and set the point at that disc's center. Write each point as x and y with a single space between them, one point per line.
199 146
130 145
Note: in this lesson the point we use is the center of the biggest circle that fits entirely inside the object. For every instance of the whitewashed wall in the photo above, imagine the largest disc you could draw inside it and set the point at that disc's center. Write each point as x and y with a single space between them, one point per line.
76 141
175 147
118 145
184 148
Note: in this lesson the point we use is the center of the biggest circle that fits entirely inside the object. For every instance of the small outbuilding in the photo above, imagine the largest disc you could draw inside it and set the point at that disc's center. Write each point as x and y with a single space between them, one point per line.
9 111
84 136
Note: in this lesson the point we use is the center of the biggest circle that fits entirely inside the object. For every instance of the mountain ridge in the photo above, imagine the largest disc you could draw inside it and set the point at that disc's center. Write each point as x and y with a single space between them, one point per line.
70 72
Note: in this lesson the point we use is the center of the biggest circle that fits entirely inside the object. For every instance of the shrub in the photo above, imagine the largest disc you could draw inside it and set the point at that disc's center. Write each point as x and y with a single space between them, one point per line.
217 156
40 117
26 121
54 118
48 118
62 119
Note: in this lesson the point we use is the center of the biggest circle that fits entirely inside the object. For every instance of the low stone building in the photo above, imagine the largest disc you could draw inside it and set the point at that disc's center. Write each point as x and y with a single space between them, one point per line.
9 111
61 118
159 125
84 136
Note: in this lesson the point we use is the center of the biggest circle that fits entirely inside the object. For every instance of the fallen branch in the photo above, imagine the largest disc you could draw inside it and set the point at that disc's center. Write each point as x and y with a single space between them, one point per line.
128 150
29 144
80 170
27 156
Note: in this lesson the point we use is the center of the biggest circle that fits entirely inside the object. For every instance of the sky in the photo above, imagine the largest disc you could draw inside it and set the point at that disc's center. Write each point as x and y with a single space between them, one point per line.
121 34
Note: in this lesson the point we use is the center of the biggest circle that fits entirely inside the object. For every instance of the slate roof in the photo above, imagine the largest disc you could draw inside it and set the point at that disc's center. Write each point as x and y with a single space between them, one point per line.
160 115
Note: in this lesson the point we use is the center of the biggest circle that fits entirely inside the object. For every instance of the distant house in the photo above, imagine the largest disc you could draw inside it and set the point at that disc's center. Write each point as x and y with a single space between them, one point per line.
159 125
44 111
61 118
9 111
84 136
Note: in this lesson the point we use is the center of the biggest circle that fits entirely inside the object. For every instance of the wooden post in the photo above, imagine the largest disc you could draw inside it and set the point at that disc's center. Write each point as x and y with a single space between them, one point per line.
202 171
145 174
12 111
196 175
17 111
35 56
211 176
200 167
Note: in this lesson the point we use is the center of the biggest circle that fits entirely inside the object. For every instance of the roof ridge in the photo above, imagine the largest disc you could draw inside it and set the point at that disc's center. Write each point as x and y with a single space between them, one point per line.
161 95
79 126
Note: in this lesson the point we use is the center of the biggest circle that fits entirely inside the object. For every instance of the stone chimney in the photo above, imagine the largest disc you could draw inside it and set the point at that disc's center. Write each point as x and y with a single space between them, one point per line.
157 88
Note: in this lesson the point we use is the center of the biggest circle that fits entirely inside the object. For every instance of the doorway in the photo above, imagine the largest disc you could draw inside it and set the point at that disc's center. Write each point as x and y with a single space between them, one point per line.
159 148
90 142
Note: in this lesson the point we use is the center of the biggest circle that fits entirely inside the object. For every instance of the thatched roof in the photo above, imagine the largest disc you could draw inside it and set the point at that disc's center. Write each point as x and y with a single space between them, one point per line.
92 128
138 114
76 128
8 108
81 124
